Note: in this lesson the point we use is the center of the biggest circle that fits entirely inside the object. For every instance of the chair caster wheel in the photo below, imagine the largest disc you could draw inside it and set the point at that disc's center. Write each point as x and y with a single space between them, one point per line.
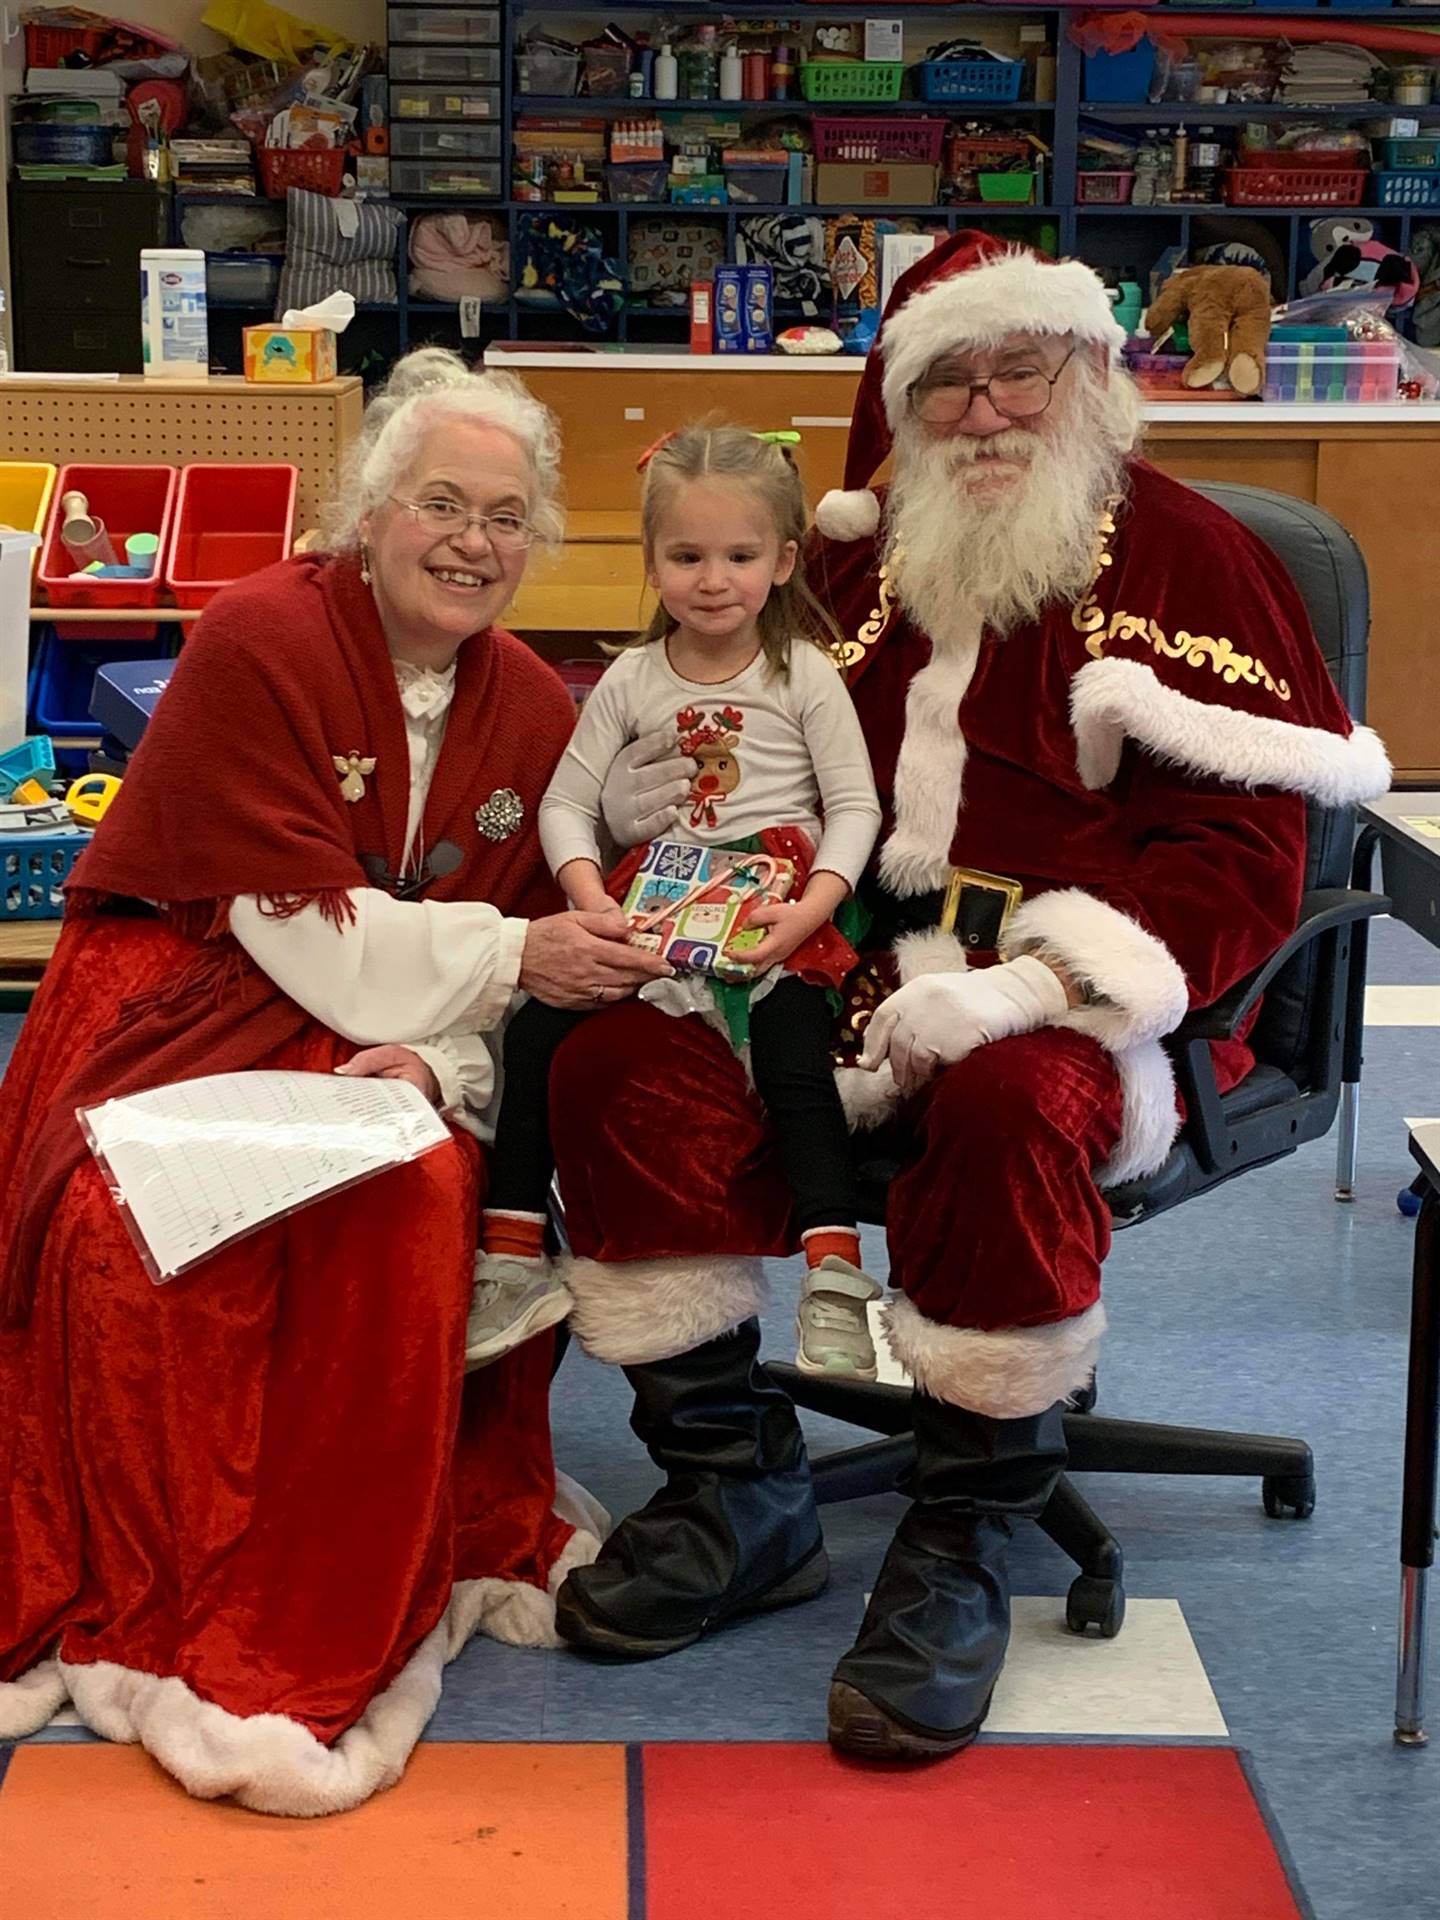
1408 1201
1084 1400
1292 1493
1095 1603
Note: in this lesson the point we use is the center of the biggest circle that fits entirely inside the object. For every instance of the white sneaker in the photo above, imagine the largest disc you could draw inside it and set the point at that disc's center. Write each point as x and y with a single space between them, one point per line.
832 1325
513 1300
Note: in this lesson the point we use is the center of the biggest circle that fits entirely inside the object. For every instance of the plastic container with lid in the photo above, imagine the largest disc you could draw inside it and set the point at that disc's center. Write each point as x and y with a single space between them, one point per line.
174 316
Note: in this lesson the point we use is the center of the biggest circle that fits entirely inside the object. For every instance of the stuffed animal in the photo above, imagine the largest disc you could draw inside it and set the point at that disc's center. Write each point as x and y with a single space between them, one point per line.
1227 310
1349 255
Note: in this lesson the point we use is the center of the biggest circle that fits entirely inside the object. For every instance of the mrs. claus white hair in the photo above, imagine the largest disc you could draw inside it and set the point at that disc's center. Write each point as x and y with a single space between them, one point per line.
425 389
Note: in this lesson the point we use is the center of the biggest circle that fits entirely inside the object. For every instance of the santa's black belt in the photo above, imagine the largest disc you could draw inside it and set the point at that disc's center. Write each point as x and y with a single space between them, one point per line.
975 906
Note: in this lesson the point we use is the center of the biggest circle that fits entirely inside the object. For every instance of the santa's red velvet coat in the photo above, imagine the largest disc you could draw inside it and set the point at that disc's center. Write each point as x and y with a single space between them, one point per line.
1138 762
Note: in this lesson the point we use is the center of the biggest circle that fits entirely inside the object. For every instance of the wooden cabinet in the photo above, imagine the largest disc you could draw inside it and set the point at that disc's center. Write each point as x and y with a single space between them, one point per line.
1379 477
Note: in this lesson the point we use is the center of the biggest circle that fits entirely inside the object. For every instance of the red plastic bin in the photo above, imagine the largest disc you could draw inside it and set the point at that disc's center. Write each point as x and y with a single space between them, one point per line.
1295 186
129 500
871 143
229 521
321 170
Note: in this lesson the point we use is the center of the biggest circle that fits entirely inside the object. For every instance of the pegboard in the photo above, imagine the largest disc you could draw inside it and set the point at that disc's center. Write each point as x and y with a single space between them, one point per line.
220 419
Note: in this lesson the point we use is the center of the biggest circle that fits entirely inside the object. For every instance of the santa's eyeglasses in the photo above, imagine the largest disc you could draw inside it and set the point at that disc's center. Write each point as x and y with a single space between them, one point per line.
942 399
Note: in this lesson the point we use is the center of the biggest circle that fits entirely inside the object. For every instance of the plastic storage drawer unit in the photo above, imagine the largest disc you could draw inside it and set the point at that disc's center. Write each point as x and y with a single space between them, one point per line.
469 66
456 26
445 179
129 500
229 521
417 142
409 102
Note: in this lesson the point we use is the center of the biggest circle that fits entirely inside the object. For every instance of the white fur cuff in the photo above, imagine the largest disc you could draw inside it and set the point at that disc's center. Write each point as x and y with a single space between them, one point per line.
633 1311
1008 1374
1134 974
1112 700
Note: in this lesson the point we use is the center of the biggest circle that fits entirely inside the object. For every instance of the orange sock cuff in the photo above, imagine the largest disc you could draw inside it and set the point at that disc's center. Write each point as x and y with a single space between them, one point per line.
516 1236
820 1242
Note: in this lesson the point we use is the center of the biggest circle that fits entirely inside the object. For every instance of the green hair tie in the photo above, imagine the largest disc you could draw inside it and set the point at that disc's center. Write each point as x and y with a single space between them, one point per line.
784 438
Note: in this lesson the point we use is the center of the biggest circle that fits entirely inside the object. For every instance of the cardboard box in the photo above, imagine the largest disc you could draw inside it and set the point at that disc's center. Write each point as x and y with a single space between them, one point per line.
293 356
900 184
702 331
744 310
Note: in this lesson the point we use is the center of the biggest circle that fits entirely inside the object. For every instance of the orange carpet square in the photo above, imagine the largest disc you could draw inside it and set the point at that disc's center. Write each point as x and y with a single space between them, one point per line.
504 1831
1002 1833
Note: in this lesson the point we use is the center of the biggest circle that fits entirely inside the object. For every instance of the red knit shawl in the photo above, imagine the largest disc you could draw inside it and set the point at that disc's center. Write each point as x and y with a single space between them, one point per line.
234 792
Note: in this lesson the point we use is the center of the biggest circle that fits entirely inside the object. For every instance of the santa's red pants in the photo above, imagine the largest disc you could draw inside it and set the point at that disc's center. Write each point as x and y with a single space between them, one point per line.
996 1228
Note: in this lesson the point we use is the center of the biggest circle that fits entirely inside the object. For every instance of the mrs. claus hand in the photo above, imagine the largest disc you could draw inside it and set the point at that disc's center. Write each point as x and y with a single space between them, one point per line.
393 1063
938 1019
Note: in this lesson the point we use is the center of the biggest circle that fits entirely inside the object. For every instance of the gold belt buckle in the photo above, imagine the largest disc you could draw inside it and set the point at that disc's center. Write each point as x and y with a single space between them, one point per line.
968 879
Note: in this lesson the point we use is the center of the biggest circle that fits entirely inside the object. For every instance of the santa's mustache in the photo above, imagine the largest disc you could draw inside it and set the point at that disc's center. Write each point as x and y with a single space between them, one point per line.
1012 445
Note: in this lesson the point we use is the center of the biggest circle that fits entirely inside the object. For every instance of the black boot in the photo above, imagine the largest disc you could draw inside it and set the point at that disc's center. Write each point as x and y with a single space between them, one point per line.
734 1529
917 1683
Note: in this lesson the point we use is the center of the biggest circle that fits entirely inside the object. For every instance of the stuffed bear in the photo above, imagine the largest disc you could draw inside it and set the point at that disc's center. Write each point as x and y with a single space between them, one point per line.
1227 312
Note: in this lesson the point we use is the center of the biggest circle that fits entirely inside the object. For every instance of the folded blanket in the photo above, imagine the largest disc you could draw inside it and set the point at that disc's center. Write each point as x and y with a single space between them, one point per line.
458 256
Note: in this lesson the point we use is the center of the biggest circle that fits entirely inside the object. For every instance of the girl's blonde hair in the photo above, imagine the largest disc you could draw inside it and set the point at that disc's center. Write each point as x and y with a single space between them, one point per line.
767 470
428 387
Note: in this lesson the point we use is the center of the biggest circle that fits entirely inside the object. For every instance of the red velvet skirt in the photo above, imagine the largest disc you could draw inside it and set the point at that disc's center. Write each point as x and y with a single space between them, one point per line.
265 1476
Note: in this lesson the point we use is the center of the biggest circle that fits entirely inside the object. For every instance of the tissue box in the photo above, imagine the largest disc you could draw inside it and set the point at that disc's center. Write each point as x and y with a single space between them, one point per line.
296 356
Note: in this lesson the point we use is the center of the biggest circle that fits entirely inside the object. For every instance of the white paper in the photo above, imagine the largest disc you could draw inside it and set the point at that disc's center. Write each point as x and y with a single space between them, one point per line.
335 311
201 1163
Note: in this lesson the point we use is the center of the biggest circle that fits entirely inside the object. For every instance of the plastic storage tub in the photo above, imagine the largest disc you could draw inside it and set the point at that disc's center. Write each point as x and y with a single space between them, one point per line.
971 79
62 145
1406 156
1104 188
851 80
409 102
467 65
33 869
241 279
868 143
1411 188
61 683
547 72
762 186
229 521
444 26
129 500
1121 77
1334 372
1296 186
25 490
417 142
445 179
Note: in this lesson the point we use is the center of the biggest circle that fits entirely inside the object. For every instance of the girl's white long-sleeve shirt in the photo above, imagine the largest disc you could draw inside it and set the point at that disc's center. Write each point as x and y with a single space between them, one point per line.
436 976
773 750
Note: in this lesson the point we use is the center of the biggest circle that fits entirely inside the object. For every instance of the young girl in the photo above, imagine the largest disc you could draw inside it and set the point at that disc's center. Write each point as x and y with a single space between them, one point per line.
736 663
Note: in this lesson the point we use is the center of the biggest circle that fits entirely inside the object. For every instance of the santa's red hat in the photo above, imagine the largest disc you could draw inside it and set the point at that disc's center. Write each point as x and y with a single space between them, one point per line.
971 291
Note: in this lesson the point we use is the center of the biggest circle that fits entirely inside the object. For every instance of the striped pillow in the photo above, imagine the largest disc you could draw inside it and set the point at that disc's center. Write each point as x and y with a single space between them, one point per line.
322 258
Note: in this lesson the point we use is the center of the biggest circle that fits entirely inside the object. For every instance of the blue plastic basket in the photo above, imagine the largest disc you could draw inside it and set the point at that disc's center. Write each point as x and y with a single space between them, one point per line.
971 79
61 681
62 146
33 868
1406 189
1409 156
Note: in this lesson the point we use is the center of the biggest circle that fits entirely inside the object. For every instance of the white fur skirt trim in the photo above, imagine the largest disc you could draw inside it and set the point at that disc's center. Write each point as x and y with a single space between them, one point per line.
1008 1373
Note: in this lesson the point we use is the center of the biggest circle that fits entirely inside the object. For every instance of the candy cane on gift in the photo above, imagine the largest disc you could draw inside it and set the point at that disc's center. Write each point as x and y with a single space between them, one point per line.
749 868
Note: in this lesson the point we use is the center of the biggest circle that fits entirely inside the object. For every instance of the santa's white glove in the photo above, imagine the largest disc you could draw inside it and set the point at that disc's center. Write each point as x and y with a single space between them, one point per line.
644 787
938 1019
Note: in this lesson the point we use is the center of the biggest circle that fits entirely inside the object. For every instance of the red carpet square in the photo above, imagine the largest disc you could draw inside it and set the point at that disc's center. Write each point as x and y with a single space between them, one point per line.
1003 1833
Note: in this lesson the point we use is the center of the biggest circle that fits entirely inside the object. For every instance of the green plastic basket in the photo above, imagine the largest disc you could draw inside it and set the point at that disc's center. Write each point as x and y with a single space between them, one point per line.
1007 189
851 80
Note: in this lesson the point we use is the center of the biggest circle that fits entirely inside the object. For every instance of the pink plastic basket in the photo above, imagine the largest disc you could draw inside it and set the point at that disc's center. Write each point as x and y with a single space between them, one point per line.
867 143
1102 189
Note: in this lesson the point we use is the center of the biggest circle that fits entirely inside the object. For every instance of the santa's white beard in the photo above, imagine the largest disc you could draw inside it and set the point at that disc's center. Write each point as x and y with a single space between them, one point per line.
1001 554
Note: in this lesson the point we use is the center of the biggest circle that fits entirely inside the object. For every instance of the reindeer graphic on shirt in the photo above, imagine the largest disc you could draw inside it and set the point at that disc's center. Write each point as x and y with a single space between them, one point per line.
711 743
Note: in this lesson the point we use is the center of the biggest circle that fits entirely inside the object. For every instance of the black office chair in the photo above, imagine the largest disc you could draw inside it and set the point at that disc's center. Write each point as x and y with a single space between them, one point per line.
1313 1005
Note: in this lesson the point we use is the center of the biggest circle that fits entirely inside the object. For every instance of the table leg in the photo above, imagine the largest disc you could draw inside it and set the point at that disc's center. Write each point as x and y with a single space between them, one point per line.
1417 1515
1347 1145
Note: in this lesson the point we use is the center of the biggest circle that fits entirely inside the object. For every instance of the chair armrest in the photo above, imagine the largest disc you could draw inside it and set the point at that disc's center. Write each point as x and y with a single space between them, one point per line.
1320 912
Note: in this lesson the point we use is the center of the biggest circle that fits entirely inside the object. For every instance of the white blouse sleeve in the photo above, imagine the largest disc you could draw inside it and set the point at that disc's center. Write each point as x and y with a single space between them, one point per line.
842 766
464 1067
405 970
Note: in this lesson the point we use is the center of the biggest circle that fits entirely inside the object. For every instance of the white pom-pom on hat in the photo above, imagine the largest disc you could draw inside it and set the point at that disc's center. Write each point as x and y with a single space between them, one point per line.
853 515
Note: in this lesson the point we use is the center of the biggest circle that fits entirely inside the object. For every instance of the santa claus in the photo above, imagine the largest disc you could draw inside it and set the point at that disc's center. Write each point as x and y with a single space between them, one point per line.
1095 711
